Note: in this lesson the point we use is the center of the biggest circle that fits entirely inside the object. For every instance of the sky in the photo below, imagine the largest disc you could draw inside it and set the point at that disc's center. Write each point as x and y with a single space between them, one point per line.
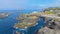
27 4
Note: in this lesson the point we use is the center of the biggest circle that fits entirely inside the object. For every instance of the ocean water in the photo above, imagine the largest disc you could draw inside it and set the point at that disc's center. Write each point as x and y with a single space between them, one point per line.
6 24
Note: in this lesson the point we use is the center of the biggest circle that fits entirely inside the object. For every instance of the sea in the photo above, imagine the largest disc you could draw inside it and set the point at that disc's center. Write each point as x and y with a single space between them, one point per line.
6 24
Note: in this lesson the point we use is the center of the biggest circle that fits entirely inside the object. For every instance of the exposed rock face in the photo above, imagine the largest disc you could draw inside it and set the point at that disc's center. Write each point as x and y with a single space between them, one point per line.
47 30
52 26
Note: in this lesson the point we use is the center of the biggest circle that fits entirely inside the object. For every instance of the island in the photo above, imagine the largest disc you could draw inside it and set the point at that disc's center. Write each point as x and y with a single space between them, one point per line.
26 20
51 21
4 14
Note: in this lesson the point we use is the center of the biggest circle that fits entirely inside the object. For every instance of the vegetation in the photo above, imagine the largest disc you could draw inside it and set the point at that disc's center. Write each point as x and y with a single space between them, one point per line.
53 9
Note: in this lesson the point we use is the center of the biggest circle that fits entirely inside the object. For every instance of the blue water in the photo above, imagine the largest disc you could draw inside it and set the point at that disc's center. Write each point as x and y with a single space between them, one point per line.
6 24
